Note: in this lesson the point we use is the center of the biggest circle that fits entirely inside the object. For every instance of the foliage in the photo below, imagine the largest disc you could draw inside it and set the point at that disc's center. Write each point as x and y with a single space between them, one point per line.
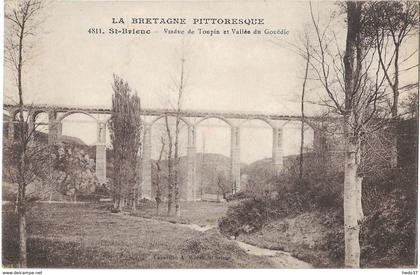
388 232
126 137
389 199
37 161
394 19
247 216
411 105
76 170
63 170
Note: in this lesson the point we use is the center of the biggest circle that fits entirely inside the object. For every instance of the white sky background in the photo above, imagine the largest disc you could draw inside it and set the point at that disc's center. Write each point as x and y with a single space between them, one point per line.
244 73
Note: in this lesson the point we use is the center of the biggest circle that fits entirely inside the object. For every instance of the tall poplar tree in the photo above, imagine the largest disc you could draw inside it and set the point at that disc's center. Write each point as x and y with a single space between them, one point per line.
126 133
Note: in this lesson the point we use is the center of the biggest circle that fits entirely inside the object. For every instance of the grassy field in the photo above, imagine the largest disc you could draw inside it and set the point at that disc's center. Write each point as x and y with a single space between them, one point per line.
200 213
89 236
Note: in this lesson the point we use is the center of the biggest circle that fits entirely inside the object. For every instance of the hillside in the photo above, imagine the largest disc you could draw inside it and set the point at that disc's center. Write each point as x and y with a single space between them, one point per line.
304 216
208 168
43 137
72 144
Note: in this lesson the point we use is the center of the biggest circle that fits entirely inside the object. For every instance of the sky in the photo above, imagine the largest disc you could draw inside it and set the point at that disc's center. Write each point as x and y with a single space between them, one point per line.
69 66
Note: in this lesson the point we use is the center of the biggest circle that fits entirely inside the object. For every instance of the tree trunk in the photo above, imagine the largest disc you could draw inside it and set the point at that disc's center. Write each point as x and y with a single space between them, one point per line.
394 111
170 201
176 191
133 201
170 167
302 111
17 203
177 195
170 190
352 183
176 168
353 213
157 208
115 202
22 238
50 199
178 209
158 176
120 204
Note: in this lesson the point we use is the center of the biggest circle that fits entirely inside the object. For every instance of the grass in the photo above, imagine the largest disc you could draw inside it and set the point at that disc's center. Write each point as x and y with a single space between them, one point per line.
200 213
87 236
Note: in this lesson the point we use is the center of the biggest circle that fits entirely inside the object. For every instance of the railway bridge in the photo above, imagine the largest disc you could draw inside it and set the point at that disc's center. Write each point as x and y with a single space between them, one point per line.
191 118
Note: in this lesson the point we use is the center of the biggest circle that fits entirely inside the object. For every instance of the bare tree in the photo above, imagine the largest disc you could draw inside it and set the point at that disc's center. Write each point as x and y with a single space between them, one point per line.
170 166
302 109
173 137
159 176
21 22
394 21
354 90
223 185
411 104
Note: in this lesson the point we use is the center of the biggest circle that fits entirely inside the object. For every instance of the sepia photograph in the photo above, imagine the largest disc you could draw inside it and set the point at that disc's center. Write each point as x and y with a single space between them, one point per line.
204 134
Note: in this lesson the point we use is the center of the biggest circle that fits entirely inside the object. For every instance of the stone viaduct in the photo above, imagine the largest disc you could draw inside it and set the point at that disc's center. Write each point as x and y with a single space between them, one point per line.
149 116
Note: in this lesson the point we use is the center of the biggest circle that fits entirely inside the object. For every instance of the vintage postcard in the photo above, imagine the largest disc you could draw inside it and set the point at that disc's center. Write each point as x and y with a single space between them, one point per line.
210 134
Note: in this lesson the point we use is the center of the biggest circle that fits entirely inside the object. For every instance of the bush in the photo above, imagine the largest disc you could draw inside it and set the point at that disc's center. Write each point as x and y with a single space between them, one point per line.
247 216
289 197
388 234
389 198
238 196
388 231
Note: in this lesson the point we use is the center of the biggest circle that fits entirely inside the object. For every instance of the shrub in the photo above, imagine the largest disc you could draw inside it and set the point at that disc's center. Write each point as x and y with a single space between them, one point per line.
389 198
318 190
388 231
247 216
388 234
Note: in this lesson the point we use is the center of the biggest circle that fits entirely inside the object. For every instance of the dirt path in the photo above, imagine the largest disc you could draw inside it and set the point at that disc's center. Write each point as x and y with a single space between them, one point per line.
279 258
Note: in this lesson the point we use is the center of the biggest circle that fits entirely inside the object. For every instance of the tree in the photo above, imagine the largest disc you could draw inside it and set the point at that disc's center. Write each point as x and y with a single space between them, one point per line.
223 185
355 92
307 57
395 21
173 137
80 172
352 182
126 131
21 22
411 104
159 176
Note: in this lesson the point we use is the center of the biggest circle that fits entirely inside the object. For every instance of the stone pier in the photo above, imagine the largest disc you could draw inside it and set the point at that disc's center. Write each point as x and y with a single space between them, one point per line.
235 157
191 166
320 141
101 153
277 150
11 131
54 129
31 125
146 175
